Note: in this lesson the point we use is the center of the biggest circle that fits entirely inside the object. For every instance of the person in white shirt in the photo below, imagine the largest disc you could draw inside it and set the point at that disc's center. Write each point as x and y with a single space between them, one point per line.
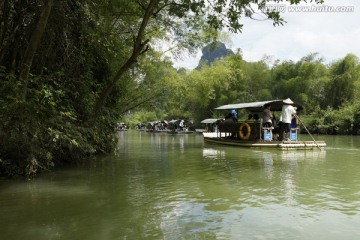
287 113
181 125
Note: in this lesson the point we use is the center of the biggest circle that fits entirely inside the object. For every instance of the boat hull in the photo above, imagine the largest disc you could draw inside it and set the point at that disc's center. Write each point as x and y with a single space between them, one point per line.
267 144
180 132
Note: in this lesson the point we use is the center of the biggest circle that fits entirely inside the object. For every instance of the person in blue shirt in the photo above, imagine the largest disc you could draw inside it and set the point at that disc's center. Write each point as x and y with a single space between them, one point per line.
232 114
294 122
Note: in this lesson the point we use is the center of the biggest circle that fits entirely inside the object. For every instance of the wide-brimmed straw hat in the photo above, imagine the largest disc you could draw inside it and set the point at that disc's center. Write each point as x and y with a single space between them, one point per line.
288 101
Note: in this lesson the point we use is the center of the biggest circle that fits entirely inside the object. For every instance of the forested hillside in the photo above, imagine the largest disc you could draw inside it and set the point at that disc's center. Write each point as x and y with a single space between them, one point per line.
212 52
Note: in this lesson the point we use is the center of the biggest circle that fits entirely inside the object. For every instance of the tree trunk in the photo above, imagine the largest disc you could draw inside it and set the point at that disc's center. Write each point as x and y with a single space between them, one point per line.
138 49
3 4
33 44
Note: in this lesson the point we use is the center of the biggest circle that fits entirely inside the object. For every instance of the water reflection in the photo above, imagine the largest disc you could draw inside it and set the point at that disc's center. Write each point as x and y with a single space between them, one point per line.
286 166
213 154
163 186
268 164
216 159
303 155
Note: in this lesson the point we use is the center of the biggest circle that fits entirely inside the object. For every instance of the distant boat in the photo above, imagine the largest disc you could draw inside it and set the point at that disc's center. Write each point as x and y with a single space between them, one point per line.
121 126
140 127
209 125
251 133
157 126
179 126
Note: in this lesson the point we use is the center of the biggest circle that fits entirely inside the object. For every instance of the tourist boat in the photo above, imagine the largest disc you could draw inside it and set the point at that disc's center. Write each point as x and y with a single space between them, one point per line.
157 126
250 133
140 127
179 126
208 124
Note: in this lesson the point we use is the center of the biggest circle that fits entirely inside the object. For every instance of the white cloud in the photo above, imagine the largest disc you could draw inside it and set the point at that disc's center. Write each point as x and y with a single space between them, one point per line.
188 61
331 34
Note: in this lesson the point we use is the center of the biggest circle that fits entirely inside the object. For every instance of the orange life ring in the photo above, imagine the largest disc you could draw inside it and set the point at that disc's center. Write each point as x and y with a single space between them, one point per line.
248 132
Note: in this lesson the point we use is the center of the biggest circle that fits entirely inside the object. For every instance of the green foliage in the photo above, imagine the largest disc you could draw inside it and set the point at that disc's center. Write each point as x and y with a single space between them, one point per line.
344 120
144 116
47 128
44 130
344 82
303 81
88 46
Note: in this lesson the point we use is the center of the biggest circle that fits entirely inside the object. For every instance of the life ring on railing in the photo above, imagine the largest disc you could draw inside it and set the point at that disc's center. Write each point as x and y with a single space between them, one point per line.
248 131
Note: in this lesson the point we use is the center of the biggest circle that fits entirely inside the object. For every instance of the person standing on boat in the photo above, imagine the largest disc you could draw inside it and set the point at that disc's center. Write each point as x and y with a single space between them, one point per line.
267 116
294 121
232 114
181 125
287 113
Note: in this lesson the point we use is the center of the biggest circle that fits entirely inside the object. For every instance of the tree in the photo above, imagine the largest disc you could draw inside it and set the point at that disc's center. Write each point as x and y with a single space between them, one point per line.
182 19
303 81
33 44
345 77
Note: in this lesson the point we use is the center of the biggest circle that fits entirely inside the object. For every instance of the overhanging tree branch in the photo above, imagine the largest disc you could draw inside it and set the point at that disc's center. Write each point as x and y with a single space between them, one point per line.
131 107
138 49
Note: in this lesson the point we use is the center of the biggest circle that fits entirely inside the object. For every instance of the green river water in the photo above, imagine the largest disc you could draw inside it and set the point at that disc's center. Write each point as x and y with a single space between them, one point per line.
162 186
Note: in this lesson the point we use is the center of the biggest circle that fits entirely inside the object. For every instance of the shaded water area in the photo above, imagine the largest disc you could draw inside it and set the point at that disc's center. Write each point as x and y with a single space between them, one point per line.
162 186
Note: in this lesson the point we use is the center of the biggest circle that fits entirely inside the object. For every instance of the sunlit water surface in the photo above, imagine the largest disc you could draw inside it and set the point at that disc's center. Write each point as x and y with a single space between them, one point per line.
162 186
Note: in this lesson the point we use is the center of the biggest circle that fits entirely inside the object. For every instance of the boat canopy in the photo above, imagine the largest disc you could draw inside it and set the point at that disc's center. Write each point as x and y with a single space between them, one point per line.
209 120
276 105
173 121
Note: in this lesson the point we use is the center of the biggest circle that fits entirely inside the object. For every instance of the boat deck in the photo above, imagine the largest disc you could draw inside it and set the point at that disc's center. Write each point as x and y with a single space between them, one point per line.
267 144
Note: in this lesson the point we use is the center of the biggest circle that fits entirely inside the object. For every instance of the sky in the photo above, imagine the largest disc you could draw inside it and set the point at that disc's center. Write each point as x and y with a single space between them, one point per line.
330 31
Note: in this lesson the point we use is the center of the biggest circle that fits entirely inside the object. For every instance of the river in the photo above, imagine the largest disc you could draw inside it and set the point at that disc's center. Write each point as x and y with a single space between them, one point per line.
161 186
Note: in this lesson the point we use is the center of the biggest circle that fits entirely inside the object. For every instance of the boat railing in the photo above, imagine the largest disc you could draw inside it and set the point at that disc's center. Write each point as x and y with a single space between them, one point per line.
244 130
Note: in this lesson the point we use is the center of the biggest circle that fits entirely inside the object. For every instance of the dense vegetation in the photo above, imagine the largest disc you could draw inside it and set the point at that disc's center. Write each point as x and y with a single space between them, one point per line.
328 92
70 69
